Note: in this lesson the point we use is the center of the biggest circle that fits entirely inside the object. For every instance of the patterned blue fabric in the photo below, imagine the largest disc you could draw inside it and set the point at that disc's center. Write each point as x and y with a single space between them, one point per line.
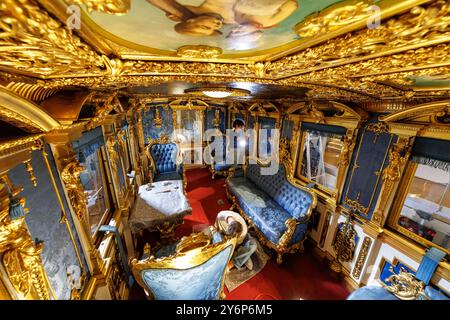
216 237
165 157
202 282
434 294
267 215
371 293
292 199
167 176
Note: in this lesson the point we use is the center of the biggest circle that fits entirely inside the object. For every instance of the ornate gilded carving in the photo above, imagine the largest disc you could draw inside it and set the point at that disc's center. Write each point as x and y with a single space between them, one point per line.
31 172
347 148
398 155
70 176
421 25
157 121
205 52
117 7
404 285
355 204
345 242
362 256
35 43
378 128
21 256
216 121
334 17
260 68
397 158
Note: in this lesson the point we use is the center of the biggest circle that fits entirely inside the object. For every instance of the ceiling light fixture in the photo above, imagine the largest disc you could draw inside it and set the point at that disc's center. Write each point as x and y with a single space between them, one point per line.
218 92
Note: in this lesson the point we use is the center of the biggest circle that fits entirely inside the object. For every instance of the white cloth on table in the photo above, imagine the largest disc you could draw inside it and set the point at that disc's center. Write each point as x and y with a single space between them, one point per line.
157 203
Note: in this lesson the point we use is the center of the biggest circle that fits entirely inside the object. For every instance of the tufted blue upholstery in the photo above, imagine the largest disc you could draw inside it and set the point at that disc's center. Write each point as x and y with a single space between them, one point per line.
165 157
294 200
202 282
267 215
168 176
270 200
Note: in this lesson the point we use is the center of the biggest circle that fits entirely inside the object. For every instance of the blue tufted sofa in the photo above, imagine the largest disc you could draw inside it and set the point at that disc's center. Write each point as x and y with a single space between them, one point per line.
164 162
277 209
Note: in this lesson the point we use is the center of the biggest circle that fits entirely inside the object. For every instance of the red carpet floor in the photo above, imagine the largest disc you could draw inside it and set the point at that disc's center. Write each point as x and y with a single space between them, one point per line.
300 276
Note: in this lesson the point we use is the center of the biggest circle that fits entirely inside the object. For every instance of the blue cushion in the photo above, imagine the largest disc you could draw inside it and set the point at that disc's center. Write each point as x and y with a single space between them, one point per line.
221 167
267 215
167 176
294 200
434 294
165 157
202 282
371 293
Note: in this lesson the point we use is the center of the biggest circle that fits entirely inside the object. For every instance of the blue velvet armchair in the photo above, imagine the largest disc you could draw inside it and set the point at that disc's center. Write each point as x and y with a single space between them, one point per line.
165 162
278 208
192 269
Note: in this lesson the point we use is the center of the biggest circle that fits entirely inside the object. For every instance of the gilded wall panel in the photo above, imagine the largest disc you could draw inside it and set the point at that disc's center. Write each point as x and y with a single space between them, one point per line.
364 177
46 222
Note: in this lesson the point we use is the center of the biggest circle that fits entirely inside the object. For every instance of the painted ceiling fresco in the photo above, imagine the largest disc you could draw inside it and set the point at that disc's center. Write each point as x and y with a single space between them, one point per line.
236 26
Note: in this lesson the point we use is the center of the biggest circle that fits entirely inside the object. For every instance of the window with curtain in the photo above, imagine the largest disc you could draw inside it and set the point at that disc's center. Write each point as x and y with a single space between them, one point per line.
91 154
319 157
424 199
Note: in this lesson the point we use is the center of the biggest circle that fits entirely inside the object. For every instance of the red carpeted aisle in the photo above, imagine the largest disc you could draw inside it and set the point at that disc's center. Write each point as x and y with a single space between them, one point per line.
300 276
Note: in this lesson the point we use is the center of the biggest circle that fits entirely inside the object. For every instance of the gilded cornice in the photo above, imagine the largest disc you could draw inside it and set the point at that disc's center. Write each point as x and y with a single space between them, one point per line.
420 27
13 146
357 66
117 7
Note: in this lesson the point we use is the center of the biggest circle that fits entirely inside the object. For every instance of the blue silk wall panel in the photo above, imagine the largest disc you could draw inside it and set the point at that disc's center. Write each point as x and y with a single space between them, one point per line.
151 131
43 221
251 122
288 129
209 119
266 124
370 157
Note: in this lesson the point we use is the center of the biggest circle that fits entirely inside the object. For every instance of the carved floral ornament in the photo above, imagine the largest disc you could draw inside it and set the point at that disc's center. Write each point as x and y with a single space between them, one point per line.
20 255
349 67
